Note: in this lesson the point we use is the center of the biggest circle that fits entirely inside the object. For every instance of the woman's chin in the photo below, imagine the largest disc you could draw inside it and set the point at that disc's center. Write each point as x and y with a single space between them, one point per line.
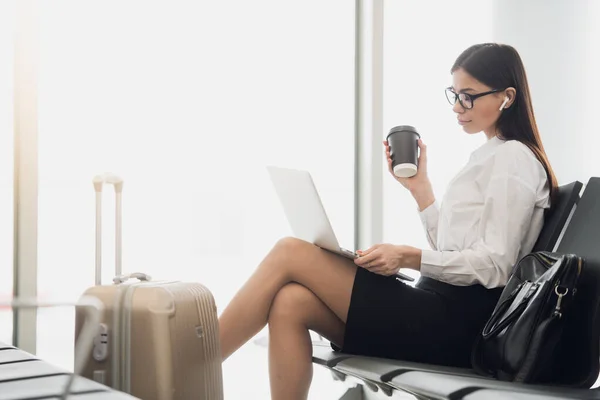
468 128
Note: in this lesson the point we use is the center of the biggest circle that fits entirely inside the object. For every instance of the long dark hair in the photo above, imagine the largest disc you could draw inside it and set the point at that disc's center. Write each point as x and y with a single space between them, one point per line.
499 66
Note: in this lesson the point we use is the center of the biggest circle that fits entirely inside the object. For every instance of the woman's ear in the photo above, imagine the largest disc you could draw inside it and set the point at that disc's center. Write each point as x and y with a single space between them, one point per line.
510 94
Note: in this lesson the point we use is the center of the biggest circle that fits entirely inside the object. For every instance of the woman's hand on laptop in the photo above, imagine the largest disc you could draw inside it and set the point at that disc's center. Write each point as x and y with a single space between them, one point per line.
387 259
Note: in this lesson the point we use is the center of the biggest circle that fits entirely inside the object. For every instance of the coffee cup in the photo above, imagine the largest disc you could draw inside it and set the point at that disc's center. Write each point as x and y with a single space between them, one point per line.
404 150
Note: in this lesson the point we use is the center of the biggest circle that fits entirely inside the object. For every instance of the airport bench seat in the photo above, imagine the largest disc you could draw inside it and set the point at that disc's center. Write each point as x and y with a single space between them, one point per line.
24 376
573 227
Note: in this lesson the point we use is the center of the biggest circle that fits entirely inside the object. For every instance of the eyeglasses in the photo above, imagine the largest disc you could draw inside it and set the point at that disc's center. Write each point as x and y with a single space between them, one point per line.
466 100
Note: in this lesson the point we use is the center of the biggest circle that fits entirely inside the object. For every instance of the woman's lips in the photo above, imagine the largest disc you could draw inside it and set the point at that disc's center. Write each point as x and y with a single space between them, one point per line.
461 122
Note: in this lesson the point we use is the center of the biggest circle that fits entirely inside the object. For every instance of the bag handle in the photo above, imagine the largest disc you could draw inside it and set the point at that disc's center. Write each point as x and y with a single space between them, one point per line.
117 182
136 275
491 329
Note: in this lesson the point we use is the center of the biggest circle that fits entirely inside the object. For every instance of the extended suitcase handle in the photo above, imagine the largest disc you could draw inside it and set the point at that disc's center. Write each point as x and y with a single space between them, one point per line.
136 275
117 182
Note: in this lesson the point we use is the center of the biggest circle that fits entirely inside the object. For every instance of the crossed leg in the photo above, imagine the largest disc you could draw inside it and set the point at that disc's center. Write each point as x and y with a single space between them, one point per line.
297 287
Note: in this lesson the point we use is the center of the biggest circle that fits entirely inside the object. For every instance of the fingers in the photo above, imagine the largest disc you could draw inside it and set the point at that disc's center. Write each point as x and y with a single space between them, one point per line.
386 147
367 261
367 251
374 266
382 270
388 157
423 151
371 266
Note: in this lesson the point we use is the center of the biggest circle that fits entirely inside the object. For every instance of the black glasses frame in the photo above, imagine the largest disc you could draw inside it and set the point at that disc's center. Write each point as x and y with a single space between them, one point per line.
473 97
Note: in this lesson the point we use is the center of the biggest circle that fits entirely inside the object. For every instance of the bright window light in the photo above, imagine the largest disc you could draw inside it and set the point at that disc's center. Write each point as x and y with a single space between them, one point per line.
188 102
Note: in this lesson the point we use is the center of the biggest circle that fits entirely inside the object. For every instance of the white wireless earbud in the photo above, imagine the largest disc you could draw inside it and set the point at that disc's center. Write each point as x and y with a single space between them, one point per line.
503 104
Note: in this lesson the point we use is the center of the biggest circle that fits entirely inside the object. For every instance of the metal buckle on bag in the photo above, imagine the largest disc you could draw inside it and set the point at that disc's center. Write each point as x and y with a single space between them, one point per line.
560 296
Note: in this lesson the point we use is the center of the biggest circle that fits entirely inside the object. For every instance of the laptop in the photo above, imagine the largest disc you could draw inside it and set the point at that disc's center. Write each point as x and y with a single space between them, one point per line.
305 212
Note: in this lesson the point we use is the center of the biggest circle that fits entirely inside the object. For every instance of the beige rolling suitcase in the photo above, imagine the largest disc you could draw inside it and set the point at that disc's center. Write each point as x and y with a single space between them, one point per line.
158 340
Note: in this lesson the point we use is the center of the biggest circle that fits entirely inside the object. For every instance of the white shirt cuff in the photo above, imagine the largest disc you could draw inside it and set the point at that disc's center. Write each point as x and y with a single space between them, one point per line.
430 215
431 264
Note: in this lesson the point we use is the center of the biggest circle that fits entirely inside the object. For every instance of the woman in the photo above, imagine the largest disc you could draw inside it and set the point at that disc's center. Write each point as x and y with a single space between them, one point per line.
491 215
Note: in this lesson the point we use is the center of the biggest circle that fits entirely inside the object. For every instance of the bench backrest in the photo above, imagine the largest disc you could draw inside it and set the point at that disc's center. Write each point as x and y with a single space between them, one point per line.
579 346
582 235
557 219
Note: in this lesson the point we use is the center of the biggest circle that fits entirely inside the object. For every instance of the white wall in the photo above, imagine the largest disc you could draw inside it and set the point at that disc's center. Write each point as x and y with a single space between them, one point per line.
559 42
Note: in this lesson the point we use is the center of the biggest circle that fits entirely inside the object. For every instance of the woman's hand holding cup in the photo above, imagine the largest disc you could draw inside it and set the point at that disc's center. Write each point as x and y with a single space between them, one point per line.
418 184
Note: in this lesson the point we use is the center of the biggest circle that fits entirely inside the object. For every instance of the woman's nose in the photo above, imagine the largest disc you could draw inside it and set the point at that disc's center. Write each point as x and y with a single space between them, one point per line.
458 108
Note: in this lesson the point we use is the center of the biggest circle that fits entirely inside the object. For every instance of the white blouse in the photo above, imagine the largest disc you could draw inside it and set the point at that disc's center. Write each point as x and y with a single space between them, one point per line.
490 216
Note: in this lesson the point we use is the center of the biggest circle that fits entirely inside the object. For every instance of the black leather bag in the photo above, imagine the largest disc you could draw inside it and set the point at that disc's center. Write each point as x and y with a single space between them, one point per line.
518 342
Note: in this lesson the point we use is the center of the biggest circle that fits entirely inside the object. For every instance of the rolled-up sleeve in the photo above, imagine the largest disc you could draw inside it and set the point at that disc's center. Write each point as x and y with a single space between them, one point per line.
508 207
429 218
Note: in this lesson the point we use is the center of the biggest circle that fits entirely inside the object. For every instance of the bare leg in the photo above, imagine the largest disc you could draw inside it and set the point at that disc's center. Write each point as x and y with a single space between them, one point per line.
295 310
329 276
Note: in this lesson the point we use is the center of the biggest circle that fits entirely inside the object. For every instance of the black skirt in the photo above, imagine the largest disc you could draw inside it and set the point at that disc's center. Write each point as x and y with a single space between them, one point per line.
434 322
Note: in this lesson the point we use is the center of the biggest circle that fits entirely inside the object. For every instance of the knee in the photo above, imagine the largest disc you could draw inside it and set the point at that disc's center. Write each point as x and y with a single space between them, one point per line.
290 244
291 303
291 248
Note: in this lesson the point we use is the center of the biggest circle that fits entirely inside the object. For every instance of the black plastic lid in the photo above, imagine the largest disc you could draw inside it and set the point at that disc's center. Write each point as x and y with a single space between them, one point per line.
402 128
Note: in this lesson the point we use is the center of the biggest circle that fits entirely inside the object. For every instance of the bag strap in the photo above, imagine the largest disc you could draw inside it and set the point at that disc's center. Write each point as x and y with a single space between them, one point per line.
492 328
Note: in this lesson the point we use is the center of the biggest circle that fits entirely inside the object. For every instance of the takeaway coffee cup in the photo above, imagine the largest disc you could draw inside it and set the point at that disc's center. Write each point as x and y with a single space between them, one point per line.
404 150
